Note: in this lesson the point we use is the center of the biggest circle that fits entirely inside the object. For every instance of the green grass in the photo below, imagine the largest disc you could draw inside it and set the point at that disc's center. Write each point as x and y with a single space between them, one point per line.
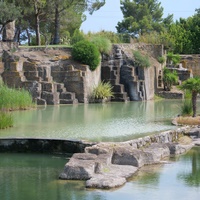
6 120
14 99
186 108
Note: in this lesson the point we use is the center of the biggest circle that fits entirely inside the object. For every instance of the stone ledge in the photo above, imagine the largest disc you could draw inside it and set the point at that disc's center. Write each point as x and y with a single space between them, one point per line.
109 165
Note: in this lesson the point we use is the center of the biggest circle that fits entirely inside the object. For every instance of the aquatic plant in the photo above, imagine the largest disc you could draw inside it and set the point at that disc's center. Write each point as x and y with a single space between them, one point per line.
14 99
6 120
186 108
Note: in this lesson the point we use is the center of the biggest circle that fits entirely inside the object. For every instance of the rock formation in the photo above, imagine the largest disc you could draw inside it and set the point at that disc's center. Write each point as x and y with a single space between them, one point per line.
109 165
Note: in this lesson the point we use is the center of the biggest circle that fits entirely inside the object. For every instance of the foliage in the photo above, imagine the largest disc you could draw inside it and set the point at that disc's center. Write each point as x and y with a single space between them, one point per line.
77 37
174 58
14 99
186 108
102 91
103 44
8 13
192 85
6 120
140 60
140 16
161 59
169 78
113 37
87 53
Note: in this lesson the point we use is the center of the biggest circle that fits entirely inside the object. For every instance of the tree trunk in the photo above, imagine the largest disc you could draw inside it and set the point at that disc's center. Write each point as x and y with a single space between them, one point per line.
37 30
37 24
56 39
28 37
194 103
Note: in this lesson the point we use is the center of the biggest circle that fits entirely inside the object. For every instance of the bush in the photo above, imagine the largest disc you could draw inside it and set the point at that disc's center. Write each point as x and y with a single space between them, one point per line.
174 58
6 120
142 61
87 53
102 91
77 37
169 78
103 44
14 99
161 59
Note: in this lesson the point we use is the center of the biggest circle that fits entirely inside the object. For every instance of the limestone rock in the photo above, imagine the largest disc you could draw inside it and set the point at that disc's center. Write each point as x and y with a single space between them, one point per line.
195 132
130 156
176 148
105 182
158 152
80 167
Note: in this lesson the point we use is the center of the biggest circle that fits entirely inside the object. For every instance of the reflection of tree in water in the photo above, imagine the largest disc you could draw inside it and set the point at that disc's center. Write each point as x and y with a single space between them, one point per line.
148 175
192 178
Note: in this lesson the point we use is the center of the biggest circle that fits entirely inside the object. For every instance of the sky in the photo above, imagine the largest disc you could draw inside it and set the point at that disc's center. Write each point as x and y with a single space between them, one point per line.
110 14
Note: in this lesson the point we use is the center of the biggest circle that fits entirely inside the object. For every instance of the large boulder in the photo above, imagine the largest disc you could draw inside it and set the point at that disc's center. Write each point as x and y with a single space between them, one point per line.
130 156
80 167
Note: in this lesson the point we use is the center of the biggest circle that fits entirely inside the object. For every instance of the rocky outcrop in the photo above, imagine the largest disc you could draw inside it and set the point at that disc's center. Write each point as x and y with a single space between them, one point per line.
50 75
130 81
109 165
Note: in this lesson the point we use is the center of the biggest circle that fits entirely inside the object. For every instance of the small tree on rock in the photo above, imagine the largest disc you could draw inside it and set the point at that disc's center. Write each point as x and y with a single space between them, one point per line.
192 85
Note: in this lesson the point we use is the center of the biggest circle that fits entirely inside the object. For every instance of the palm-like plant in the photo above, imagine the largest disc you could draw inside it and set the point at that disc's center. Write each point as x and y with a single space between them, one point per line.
192 85
169 78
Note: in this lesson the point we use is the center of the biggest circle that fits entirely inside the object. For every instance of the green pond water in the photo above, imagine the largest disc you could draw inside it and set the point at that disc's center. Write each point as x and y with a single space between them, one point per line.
35 177
95 122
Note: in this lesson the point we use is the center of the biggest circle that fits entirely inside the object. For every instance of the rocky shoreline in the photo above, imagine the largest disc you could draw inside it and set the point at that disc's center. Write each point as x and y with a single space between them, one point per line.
109 165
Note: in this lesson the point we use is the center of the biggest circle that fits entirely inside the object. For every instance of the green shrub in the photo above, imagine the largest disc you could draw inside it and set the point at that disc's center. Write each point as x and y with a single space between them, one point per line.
169 78
77 37
14 99
161 59
186 108
142 61
103 44
87 53
6 120
174 58
102 91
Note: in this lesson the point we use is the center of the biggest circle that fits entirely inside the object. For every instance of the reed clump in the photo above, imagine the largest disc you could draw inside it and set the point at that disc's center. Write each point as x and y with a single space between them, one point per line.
14 99
10 100
6 120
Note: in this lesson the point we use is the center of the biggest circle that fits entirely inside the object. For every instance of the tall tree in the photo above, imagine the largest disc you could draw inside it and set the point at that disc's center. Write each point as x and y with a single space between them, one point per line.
140 16
62 5
8 13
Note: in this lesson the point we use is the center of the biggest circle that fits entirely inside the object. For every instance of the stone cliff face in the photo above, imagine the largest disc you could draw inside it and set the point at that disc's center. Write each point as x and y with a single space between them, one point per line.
129 81
52 77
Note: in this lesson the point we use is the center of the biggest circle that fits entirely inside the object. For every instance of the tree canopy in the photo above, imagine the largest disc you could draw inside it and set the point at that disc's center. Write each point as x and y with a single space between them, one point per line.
47 17
140 16
8 13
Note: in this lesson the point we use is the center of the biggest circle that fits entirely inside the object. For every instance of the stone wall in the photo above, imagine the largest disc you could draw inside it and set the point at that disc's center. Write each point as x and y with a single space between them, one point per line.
36 145
41 145
50 75
191 62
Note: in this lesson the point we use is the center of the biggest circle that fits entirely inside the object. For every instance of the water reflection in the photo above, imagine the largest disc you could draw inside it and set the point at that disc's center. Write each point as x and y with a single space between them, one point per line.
99 122
191 174
35 177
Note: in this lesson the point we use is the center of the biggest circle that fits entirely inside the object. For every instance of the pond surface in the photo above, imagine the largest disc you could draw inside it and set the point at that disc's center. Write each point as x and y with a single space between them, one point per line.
35 177
95 122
